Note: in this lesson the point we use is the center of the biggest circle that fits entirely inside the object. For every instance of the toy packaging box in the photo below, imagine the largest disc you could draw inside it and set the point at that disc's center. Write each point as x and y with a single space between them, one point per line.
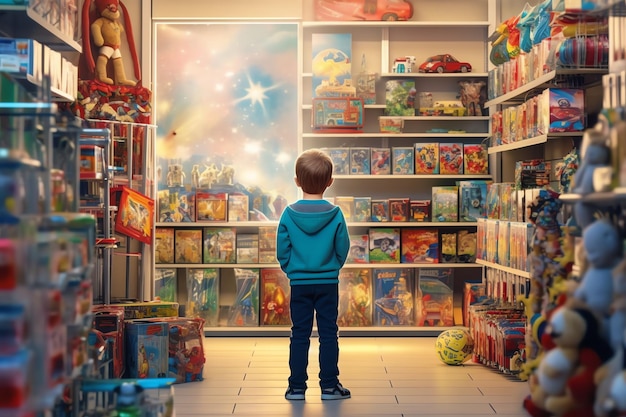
475 159
561 110
355 298
473 200
384 245
203 294
362 209
346 204
185 353
267 244
427 158
341 160
451 158
275 298
219 245
147 345
211 207
532 173
392 125
419 210
244 312
448 247
493 201
247 248
337 113
176 205
445 204
466 243
419 246
109 321
359 252
188 246
148 309
380 161
22 57
164 245
434 297
400 97
165 284
238 207
473 293
91 160
393 297
380 211
403 160
399 209
360 161
334 80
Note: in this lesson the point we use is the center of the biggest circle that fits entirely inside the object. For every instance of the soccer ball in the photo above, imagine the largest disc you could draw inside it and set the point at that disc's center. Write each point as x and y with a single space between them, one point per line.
454 346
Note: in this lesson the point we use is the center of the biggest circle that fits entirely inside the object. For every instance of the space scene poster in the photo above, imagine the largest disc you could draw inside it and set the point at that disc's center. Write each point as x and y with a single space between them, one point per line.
227 112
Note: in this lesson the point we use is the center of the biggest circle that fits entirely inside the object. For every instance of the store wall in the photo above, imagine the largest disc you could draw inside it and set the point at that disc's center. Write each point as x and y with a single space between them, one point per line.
231 9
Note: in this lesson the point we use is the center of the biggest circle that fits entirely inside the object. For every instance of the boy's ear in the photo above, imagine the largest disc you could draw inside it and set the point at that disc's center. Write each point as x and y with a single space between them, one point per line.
295 179
330 182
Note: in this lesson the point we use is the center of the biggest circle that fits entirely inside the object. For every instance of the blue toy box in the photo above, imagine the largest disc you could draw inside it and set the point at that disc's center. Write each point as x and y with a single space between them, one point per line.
147 345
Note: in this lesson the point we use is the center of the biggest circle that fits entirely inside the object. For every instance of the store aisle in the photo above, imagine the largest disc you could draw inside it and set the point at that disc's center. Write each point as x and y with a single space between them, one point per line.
395 377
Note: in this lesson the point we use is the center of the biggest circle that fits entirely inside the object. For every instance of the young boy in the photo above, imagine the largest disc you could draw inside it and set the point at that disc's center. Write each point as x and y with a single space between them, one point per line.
312 244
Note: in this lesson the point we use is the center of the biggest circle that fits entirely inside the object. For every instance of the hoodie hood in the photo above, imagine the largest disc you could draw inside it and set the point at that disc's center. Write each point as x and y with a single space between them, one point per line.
311 222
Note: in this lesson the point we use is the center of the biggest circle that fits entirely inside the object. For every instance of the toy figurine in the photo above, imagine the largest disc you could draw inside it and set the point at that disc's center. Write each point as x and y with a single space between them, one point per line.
128 400
403 64
208 177
195 176
472 97
226 175
175 176
604 249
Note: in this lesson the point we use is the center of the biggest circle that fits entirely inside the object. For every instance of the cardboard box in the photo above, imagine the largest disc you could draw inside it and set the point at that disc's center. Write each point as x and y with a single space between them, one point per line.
147 345
148 309
23 57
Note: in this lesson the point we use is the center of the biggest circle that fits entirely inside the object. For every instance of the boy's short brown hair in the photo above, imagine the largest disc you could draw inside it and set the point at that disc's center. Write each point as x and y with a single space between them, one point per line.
314 170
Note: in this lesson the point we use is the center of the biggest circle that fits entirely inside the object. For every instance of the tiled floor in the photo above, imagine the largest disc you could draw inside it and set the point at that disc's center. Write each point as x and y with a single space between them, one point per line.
388 377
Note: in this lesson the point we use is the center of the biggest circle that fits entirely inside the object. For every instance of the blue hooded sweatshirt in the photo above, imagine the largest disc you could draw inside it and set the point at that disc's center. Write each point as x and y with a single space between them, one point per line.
312 242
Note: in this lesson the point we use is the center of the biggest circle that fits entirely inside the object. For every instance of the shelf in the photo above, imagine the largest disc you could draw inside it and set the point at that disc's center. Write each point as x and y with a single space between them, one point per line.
605 198
396 135
367 106
434 75
439 118
220 224
519 93
518 272
412 177
367 331
396 24
537 140
411 265
205 266
412 224
18 20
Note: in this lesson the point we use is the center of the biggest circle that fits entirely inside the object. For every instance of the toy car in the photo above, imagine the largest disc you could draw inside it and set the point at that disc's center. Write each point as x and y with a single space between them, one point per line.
444 63
390 10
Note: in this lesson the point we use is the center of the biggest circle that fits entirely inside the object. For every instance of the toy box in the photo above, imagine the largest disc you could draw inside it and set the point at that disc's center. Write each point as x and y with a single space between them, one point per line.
402 160
238 207
434 299
344 113
355 298
400 96
392 125
188 246
466 246
245 308
473 200
427 158
267 244
219 245
419 246
475 159
380 161
341 160
346 204
275 298
164 245
362 10
165 284
561 110
448 247
419 210
473 293
109 321
393 297
362 209
247 248
384 245
360 161
359 249
91 160
211 206
185 351
203 294
451 158
146 349
380 210
445 204
399 209
22 57
148 309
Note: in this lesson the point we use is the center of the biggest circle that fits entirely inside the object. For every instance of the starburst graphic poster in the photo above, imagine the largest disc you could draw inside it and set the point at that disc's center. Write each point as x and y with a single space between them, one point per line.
227 112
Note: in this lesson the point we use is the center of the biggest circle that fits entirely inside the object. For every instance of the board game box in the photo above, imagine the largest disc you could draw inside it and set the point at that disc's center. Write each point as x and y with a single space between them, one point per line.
267 244
355 298
384 245
475 158
341 160
448 247
188 246
219 245
238 207
419 245
399 209
393 297
275 293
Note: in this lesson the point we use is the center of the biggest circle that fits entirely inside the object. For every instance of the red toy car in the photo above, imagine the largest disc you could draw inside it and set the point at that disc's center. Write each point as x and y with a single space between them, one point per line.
444 63
363 10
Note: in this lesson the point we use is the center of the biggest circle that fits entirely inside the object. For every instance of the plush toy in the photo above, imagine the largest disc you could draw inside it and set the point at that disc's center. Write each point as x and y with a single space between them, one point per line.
106 34
615 404
603 248
596 153
472 96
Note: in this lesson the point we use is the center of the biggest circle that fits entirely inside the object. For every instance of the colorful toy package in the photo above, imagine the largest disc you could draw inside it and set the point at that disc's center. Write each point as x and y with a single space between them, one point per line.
445 204
434 299
355 298
427 158
360 161
165 284
403 160
475 159
419 210
146 349
203 294
466 246
219 245
245 309
448 247
393 297
400 97
148 309
473 200
384 245
450 158
275 296
359 249
419 245
362 209
341 160
380 210
380 161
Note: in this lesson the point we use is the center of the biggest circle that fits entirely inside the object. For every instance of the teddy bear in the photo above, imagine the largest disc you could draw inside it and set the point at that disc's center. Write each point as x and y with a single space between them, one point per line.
106 33
603 248
565 377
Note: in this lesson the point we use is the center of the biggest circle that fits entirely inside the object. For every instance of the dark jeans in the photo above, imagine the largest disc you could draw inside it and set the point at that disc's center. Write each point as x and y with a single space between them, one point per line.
305 300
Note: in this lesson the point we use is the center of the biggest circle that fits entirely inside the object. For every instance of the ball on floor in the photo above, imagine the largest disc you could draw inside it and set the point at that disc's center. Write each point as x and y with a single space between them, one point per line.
454 346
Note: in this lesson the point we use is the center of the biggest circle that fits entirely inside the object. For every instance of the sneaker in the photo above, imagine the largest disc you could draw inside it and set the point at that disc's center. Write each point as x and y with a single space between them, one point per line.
338 392
294 394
